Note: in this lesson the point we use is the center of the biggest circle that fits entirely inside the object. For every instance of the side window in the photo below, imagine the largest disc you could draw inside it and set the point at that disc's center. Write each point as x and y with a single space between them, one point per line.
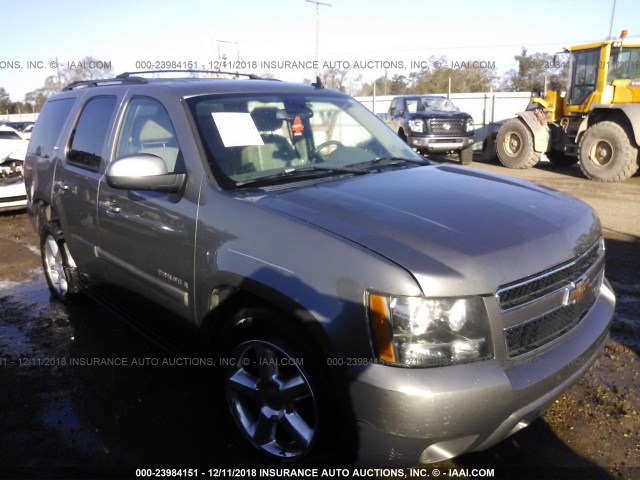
412 105
9 135
395 107
148 129
90 135
48 127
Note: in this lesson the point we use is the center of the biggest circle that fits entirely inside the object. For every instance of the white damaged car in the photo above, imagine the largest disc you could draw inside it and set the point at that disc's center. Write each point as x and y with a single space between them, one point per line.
13 147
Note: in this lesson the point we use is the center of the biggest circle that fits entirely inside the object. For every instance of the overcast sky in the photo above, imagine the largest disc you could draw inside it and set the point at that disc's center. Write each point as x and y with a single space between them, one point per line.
375 33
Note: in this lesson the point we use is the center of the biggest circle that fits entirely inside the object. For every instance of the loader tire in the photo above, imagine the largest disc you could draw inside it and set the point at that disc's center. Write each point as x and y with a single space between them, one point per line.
514 145
607 153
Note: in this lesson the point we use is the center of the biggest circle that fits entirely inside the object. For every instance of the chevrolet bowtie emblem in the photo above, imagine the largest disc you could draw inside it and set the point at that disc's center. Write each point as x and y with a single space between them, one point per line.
576 292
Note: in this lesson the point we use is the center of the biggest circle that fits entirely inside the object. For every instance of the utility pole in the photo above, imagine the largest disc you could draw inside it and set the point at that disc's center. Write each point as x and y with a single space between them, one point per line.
318 3
613 13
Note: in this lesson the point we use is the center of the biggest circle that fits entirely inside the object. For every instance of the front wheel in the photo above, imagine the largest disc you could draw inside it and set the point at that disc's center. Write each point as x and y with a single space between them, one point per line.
59 268
514 145
274 389
607 153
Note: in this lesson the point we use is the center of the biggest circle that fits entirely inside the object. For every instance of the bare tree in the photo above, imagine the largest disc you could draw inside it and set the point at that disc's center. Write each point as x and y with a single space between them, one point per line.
335 78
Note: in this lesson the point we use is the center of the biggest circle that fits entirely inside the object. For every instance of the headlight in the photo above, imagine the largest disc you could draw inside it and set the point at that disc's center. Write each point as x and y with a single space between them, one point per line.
416 125
470 127
428 332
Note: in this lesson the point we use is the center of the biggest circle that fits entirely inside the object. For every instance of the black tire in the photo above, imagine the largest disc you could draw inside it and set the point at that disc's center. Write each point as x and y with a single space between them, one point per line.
466 155
607 153
514 145
275 389
559 159
58 265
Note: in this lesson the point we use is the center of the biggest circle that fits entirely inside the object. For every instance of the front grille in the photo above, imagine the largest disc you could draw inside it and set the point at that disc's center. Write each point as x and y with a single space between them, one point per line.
454 126
573 287
528 336
519 293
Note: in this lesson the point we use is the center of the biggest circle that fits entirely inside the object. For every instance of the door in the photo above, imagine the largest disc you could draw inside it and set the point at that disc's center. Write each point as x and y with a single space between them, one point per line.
77 178
147 238
584 75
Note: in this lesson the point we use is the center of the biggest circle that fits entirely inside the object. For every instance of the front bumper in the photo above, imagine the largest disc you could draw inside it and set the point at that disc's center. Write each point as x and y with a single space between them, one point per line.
440 144
13 196
407 417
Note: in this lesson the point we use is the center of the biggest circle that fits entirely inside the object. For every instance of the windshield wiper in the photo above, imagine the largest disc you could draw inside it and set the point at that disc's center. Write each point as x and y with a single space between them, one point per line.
392 160
299 172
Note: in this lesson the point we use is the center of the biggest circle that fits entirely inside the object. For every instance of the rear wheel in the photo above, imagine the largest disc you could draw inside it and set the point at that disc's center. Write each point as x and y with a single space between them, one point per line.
59 268
607 154
514 145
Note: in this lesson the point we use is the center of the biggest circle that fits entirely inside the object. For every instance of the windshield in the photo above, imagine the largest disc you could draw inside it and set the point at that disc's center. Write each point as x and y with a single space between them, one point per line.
438 104
249 137
624 63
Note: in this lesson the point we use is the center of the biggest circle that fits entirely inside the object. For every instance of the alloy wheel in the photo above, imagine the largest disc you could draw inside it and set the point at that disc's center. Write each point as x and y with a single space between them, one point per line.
272 400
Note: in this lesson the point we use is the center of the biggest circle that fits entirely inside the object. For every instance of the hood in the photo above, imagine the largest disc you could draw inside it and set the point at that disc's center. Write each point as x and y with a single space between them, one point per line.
457 231
439 114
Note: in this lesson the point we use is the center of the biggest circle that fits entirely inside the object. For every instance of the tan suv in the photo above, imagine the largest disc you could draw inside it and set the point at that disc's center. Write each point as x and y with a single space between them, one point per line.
358 297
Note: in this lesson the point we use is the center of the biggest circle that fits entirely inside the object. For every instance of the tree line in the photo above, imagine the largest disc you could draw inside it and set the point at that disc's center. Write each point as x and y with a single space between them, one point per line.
534 72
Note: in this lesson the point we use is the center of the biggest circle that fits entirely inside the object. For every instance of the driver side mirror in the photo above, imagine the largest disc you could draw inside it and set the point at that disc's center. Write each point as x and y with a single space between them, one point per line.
143 171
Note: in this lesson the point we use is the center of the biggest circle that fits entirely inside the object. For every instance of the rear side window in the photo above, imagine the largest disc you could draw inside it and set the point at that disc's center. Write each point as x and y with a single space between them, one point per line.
48 127
90 135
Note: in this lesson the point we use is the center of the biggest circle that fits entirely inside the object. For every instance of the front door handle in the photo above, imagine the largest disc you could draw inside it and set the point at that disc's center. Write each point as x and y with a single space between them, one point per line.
62 188
110 208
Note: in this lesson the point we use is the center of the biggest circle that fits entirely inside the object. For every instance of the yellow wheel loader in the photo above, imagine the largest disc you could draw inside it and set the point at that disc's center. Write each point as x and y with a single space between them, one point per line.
596 123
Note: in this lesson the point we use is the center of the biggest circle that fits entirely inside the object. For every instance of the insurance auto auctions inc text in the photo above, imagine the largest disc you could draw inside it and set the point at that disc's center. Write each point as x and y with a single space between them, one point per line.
354 473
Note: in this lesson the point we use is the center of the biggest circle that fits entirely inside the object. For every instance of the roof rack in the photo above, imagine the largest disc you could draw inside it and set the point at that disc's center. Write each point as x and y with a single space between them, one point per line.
129 77
104 81
251 76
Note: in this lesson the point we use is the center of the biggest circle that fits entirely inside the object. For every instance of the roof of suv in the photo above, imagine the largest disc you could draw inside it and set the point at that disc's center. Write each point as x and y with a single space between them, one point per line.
189 87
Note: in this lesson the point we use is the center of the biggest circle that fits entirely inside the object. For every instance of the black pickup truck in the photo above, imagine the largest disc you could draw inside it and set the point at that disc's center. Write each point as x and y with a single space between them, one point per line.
431 124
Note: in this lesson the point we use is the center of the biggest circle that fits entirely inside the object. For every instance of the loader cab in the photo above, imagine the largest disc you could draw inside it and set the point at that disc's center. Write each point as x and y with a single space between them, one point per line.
601 74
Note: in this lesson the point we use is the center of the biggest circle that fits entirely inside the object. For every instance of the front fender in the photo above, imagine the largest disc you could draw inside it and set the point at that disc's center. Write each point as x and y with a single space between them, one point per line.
318 277
630 112
540 133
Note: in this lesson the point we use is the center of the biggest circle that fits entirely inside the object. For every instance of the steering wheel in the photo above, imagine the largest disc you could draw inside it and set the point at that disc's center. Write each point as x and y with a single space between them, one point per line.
327 144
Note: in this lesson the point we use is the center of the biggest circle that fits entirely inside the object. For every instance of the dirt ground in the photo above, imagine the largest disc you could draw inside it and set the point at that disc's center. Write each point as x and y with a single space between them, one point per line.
88 421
